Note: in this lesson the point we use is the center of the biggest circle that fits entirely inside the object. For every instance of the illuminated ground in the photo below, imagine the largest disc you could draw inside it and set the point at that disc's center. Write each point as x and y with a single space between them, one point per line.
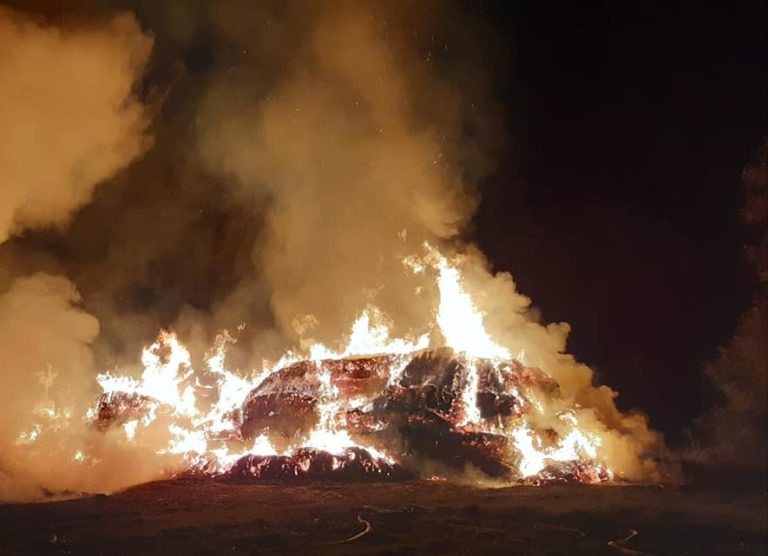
406 518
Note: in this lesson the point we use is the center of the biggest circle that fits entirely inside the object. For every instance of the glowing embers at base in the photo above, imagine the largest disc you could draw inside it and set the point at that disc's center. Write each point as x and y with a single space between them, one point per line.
307 464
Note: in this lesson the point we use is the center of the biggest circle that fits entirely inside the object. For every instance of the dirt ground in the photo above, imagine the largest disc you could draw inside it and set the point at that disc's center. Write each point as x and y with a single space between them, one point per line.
208 517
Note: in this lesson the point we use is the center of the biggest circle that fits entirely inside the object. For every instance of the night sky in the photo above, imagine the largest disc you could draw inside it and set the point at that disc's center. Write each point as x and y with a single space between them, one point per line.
615 204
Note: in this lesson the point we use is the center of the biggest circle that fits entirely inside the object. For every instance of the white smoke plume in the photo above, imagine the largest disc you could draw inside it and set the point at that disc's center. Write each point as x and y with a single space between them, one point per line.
354 179
732 433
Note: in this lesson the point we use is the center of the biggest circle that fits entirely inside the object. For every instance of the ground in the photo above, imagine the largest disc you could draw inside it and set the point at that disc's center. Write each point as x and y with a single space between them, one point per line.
208 517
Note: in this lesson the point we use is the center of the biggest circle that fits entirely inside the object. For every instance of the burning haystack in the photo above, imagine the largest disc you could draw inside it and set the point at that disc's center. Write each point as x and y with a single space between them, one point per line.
395 414
391 426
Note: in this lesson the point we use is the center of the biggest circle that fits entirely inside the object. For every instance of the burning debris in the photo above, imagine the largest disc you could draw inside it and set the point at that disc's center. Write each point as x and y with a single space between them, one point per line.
117 408
349 415
387 428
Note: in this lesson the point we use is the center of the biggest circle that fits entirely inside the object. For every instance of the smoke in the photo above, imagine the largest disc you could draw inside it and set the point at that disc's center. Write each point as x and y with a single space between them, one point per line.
733 432
207 230
357 176
303 151
70 121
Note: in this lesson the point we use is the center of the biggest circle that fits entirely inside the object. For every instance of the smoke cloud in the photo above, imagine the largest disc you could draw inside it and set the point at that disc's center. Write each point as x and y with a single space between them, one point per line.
353 178
70 121
733 432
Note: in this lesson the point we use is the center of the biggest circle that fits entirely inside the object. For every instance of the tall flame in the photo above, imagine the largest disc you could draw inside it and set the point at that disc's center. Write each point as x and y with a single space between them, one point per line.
459 319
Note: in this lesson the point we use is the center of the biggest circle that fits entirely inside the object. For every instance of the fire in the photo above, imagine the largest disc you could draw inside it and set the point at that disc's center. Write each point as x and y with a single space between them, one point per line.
573 448
341 392
459 320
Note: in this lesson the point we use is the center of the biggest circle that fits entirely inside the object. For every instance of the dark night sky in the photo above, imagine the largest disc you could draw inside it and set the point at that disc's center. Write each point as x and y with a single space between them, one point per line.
615 205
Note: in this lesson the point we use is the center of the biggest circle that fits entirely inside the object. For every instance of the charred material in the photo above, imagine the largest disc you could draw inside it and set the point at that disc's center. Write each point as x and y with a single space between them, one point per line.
115 408
424 408
457 449
433 381
570 472
359 377
284 404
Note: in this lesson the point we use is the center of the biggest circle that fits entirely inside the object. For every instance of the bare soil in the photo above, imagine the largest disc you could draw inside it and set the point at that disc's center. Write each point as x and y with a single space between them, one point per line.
210 517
